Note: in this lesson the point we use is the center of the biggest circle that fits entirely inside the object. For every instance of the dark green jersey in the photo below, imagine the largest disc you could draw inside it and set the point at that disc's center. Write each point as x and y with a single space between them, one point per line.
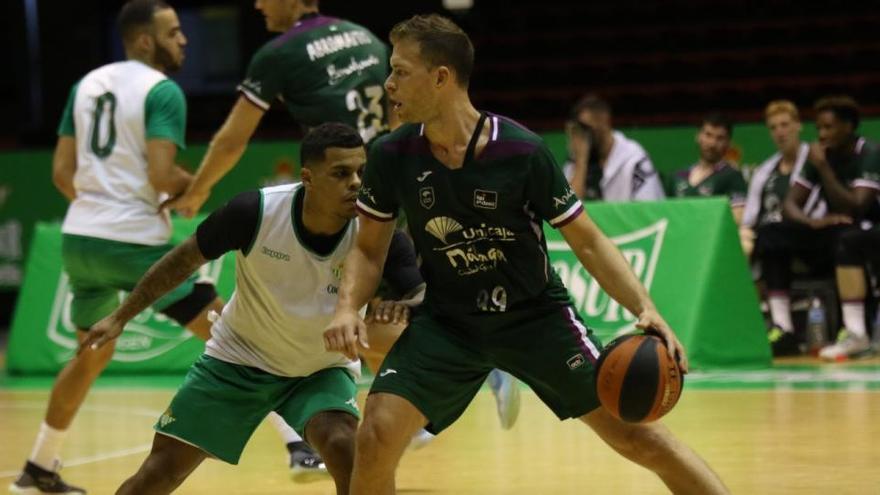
324 70
478 229
724 181
859 169
772 196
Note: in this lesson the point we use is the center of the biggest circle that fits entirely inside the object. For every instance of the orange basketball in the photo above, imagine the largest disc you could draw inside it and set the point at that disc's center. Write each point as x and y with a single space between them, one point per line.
636 381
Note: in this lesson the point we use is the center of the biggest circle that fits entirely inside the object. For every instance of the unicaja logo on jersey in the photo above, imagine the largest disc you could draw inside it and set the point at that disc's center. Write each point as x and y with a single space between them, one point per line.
440 227
641 248
465 247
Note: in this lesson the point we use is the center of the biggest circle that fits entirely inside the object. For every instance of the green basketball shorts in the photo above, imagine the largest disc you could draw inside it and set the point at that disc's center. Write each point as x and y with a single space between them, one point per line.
220 404
439 367
99 268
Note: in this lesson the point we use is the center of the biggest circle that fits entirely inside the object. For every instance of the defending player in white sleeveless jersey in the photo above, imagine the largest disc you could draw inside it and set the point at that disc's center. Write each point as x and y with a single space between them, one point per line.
266 351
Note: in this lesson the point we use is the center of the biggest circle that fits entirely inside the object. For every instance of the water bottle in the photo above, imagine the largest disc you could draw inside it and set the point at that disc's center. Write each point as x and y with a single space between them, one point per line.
816 327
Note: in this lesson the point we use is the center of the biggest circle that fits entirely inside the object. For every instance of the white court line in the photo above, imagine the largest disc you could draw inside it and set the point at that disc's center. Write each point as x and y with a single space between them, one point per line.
78 461
787 376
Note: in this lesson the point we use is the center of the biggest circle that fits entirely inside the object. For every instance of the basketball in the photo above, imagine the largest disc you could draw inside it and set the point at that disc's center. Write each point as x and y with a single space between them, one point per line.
636 380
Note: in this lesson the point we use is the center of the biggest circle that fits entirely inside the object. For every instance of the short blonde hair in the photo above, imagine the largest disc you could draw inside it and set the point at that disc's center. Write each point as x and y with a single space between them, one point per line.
776 107
441 42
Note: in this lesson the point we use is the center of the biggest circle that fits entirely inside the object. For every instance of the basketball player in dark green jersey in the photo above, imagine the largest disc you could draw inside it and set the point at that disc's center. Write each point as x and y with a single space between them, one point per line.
475 188
712 175
846 169
322 69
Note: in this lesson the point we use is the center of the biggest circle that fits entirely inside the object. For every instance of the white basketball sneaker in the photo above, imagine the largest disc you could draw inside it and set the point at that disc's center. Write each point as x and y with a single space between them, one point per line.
506 390
850 346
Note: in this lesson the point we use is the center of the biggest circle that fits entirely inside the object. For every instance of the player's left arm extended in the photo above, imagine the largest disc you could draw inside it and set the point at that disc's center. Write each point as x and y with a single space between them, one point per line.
364 263
606 264
64 166
166 274
360 278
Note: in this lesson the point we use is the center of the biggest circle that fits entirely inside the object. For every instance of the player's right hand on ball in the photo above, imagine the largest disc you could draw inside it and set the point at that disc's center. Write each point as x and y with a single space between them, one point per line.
344 333
100 333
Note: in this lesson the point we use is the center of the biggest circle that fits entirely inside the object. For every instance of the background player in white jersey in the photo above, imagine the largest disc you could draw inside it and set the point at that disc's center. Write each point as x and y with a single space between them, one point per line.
114 160
266 351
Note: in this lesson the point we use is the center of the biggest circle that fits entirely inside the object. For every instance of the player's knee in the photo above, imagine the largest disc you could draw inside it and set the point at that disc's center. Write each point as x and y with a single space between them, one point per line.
339 446
160 474
156 475
334 435
377 432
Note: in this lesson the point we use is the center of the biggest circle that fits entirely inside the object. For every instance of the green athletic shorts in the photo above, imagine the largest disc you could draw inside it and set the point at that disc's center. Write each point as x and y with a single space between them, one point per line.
440 366
220 404
99 268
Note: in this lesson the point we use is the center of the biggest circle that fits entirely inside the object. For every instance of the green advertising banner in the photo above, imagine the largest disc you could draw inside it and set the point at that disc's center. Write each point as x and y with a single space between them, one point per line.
43 338
25 175
687 253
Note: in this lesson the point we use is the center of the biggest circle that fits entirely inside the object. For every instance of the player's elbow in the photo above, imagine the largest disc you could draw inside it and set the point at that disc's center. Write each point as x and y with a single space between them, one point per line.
62 176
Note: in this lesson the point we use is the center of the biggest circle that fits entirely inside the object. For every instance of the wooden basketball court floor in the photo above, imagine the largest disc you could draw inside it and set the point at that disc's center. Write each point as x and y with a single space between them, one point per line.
800 428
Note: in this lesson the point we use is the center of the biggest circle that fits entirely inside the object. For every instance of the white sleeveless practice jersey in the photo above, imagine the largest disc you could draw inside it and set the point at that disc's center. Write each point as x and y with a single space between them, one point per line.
114 198
285 296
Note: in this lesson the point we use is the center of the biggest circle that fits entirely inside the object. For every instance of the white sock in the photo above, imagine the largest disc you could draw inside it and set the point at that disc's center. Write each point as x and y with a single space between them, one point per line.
854 317
287 433
780 311
47 448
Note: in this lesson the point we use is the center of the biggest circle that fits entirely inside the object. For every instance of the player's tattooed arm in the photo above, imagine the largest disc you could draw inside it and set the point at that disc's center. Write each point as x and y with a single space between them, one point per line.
166 274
